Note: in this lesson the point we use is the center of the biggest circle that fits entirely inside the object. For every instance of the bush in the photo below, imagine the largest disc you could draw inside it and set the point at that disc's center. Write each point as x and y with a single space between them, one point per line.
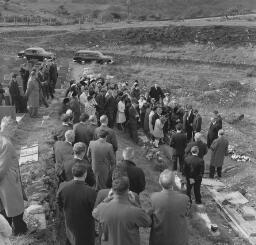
95 13
251 72
142 18
61 10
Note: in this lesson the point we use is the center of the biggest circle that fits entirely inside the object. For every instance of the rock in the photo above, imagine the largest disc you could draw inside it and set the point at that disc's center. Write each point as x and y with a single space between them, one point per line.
248 213
34 215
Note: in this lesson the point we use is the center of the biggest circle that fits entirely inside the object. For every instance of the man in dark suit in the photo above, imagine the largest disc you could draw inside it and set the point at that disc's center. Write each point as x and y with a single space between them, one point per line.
59 133
156 93
75 107
197 122
194 171
219 119
101 101
15 93
135 174
169 211
200 144
111 137
24 73
133 121
102 158
83 132
178 143
213 131
110 108
77 201
63 151
188 119
53 75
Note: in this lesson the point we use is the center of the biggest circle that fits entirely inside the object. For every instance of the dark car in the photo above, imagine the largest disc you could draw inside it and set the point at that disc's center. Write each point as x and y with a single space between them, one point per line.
87 56
36 54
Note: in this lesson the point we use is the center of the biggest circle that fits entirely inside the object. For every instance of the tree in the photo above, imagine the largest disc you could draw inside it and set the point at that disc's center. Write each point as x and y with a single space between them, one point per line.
6 2
128 3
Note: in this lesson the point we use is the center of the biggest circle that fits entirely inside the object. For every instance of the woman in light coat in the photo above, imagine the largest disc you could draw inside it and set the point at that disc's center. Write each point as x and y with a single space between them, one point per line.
158 132
32 94
120 116
11 193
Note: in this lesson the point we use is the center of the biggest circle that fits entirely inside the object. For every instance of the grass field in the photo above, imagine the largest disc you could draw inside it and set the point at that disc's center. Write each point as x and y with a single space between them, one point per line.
142 9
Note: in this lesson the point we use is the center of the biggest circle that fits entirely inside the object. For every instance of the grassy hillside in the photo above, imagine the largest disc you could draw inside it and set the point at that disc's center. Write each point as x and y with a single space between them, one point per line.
139 9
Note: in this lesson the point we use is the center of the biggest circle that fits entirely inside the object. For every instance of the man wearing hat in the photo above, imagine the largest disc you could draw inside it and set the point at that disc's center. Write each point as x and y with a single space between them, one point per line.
15 92
219 149
133 121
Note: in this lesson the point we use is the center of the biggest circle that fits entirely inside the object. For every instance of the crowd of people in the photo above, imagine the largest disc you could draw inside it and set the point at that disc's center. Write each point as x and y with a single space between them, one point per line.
99 195
94 108
38 86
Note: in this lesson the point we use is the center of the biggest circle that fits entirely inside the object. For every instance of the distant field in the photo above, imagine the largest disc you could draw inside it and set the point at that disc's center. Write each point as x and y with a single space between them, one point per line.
139 9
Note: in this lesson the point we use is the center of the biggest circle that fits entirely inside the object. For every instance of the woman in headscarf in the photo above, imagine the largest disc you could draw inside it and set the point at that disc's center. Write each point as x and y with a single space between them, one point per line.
32 94
11 192
158 130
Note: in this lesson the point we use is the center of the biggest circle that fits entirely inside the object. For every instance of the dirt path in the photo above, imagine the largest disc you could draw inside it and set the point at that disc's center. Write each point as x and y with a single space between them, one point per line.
32 130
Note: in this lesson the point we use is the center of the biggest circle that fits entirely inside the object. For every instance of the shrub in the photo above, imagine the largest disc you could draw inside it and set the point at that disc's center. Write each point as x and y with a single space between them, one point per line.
251 72
61 10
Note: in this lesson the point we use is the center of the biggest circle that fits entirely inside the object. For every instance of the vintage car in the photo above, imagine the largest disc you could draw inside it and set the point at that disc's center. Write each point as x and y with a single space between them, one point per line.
36 53
87 56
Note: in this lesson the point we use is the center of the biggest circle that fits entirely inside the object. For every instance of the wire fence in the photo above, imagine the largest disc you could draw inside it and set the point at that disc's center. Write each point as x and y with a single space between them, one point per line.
53 21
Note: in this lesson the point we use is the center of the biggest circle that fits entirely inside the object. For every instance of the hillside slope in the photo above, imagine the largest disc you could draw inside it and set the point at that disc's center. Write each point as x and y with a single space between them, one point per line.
139 9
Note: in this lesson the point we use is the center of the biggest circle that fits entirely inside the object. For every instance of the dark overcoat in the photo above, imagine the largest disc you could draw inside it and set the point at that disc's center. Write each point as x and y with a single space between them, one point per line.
77 201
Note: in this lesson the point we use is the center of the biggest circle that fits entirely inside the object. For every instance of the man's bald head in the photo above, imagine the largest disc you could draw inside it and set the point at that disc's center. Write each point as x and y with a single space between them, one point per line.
104 119
167 179
198 136
221 132
128 153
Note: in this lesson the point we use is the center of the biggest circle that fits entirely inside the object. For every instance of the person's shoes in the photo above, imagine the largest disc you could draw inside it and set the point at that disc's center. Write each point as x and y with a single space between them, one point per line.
199 202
